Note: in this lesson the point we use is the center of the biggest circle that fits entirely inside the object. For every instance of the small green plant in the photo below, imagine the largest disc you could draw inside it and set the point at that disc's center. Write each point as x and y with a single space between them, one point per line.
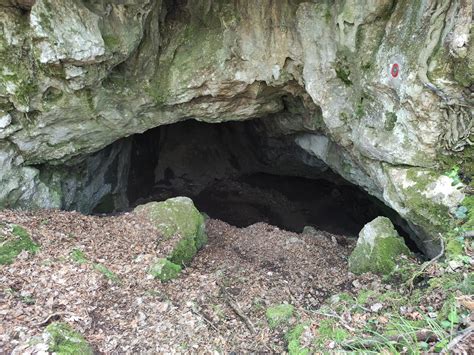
64 340
107 273
454 175
78 256
279 314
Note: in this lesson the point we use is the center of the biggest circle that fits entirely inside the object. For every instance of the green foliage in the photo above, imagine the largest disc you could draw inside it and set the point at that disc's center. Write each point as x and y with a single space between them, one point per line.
279 314
13 245
64 340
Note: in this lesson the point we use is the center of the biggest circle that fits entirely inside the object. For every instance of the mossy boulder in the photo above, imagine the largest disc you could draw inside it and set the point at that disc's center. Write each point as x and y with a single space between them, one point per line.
180 224
64 340
279 314
377 248
14 243
165 270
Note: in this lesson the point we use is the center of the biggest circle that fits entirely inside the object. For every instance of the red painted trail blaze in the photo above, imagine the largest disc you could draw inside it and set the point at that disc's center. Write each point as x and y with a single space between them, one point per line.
395 70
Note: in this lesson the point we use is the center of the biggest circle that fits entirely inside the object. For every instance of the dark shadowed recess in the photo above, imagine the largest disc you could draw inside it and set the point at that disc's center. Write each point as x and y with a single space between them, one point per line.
242 174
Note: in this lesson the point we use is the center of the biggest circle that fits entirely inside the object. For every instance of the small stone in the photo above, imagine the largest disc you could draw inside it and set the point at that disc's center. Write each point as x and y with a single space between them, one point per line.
310 230
356 284
376 307
5 120
455 264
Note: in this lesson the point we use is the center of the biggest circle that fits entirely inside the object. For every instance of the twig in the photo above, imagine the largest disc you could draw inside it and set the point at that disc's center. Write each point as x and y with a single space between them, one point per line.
425 265
238 311
421 335
54 315
456 340
196 312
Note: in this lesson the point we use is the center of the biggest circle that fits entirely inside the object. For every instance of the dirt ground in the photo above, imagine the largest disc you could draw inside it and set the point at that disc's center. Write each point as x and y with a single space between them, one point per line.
218 304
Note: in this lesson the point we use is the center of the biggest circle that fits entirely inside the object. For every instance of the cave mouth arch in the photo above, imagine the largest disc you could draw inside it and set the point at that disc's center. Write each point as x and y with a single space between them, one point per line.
242 173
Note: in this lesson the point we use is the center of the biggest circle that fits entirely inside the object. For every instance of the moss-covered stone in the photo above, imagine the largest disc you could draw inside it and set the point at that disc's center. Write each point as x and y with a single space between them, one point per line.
165 270
279 314
64 340
377 248
14 244
178 219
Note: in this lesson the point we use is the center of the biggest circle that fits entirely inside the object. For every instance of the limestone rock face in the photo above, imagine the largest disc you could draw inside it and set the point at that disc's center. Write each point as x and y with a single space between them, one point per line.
385 89
377 248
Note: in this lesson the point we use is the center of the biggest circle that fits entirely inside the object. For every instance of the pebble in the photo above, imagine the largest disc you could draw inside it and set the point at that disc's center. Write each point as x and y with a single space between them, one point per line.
455 264
376 307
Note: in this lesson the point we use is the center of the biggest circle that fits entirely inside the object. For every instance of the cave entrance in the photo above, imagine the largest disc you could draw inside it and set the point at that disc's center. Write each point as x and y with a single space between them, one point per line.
241 173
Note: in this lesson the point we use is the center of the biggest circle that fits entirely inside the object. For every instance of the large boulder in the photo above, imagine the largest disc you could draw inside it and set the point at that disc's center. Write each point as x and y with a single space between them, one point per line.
182 228
377 248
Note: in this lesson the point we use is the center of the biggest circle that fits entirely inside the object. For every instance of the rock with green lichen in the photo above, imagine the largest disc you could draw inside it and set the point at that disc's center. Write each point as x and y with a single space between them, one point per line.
279 314
377 248
13 243
180 223
164 270
62 339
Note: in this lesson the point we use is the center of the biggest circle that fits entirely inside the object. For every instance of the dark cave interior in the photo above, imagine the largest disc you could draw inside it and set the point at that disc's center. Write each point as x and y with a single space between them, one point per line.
237 172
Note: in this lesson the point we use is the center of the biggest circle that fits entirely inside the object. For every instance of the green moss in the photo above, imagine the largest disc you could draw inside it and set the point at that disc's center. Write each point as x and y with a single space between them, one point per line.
454 247
64 340
343 73
107 273
279 314
329 331
381 259
446 282
424 212
467 285
13 245
165 270
468 202
294 343
111 41
184 251
390 120
365 295
78 256
201 236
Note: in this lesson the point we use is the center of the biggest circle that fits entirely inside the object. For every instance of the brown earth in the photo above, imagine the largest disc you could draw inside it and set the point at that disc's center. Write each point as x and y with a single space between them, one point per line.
217 304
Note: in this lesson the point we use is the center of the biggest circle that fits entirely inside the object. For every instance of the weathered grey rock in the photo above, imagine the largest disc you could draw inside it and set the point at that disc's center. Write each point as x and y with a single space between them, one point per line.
377 248
384 87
